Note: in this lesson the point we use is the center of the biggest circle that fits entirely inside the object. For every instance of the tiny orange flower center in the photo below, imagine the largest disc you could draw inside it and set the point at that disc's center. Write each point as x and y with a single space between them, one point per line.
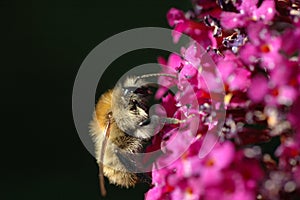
189 190
210 162
265 48
275 92
293 82
294 152
169 188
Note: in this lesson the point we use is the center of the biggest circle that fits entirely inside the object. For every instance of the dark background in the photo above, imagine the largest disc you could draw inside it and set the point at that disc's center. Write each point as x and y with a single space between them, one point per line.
43 44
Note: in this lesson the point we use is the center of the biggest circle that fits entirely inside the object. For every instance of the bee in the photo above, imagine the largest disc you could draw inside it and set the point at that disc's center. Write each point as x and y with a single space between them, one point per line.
122 125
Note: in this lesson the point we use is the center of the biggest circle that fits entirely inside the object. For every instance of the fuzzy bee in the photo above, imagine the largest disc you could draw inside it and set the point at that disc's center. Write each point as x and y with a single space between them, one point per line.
122 126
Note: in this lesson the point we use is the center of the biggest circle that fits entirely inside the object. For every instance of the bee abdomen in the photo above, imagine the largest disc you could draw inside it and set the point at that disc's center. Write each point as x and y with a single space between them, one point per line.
129 144
120 178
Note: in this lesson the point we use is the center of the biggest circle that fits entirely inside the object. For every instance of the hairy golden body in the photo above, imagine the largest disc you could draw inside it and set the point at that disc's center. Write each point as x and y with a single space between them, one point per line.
120 128
116 172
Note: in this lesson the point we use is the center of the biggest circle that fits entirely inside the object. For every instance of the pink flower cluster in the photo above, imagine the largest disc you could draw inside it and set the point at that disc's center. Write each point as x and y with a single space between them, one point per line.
255 45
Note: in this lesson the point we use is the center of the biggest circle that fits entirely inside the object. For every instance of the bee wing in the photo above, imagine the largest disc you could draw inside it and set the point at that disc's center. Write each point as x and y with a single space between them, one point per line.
134 163
137 162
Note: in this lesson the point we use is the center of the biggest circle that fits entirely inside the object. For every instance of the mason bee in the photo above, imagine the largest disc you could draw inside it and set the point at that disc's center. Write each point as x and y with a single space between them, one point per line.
122 125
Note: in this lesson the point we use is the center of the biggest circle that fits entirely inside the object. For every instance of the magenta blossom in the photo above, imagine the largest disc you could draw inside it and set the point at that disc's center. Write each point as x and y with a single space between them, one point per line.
198 31
235 76
246 56
264 47
248 11
192 178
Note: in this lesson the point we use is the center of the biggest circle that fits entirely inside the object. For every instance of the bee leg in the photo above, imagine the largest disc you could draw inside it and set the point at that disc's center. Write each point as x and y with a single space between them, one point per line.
170 120
144 178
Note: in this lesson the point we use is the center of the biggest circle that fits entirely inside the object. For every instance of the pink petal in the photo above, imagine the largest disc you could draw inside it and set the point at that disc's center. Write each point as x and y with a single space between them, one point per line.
240 80
258 89
175 16
266 11
230 20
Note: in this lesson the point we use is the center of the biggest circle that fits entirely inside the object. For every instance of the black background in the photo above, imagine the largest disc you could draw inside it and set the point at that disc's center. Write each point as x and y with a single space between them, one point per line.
43 45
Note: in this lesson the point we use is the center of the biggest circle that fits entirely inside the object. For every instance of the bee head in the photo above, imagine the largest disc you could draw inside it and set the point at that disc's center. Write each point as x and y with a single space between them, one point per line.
131 103
138 97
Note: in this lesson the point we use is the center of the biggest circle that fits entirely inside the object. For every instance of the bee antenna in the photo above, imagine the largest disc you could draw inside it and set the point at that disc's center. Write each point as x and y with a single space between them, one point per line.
101 160
155 75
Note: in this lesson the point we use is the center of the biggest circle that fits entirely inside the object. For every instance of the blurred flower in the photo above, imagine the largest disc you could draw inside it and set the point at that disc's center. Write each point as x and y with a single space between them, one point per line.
248 11
250 51
258 89
198 31
234 75
263 47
